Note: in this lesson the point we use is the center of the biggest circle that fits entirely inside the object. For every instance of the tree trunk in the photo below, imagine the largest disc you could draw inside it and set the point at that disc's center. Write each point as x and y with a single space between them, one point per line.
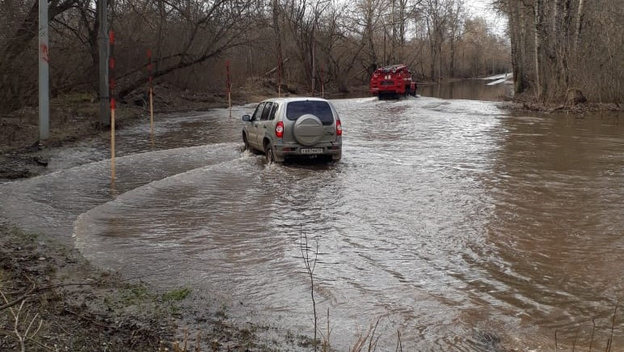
452 58
517 33
278 44
393 34
439 55
370 34
579 24
539 38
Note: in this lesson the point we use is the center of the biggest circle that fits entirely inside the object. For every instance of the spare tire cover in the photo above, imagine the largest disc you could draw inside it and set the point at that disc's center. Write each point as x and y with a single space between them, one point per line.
308 129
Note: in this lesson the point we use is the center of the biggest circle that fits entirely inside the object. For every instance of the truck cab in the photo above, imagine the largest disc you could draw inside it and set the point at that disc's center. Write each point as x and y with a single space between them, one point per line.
392 81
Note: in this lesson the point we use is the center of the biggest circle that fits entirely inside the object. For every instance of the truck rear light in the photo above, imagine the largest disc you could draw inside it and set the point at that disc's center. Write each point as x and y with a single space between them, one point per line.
338 128
279 129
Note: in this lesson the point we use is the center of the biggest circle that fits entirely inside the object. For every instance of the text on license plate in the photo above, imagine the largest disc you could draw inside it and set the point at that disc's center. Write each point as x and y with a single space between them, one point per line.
311 150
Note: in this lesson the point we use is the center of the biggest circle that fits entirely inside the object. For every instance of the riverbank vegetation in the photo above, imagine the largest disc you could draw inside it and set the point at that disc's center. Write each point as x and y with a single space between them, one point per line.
563 50
293 46
570 50
558 50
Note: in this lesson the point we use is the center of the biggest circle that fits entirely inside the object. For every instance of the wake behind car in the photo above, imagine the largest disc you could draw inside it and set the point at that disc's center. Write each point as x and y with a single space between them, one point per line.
287 128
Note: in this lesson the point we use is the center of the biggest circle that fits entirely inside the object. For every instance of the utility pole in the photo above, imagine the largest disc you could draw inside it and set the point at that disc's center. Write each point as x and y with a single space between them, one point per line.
44 72
103 62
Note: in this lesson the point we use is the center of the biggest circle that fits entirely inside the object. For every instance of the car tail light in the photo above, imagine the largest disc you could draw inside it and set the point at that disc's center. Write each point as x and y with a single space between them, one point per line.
279 129
338 128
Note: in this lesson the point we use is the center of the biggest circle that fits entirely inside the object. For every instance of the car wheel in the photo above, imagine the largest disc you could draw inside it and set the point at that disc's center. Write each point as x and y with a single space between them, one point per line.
270 155
245 143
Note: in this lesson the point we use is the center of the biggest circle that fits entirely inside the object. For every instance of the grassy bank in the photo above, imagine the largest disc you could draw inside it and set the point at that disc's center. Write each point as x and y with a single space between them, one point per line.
52 299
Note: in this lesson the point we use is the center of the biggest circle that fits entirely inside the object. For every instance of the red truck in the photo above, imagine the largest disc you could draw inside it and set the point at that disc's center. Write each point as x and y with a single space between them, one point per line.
392 81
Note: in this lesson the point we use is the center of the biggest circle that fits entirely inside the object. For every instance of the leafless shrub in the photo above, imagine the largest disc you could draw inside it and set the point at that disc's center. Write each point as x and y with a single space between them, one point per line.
310 261
367 341
25 325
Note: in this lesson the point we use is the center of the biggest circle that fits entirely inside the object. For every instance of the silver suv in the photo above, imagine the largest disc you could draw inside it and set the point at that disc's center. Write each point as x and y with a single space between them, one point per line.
284 128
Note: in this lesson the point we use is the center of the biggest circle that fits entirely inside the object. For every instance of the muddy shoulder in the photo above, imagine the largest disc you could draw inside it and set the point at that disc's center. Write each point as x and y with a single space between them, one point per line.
53 299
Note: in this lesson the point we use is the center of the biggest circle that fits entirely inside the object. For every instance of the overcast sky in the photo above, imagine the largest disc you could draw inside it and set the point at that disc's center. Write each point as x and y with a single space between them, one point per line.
483 8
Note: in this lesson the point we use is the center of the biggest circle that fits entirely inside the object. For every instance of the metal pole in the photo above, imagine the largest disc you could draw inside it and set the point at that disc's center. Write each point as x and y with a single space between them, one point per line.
103 63
44 72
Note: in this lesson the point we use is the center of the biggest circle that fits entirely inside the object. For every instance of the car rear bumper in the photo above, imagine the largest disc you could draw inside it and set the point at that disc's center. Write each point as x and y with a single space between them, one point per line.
296 151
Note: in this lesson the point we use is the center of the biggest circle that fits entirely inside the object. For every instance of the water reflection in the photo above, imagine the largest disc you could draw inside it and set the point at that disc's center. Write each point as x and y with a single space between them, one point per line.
467 89
557 223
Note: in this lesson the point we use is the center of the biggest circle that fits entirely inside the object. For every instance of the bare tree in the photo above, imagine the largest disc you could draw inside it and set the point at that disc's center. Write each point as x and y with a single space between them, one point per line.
539 34
341 51
17 83
370 21
437 21
197 32
555 45
456 14
579 23
278 41
516 13
574 47
302 18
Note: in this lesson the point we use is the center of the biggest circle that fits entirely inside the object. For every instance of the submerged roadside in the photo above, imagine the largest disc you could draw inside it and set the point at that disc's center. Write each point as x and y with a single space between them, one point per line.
52 299
72 120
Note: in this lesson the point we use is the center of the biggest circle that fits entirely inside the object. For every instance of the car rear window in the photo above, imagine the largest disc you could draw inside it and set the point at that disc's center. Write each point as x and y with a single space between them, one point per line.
320 109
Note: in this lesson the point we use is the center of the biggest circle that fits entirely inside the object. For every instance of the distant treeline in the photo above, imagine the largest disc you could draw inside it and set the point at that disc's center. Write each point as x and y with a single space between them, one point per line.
306 43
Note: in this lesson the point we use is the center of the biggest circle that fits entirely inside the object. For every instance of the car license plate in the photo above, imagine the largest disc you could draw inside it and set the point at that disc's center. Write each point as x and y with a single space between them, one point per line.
311 150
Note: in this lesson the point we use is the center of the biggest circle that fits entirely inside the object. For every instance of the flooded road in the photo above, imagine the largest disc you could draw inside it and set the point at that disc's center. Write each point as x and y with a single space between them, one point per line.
474 89
455 223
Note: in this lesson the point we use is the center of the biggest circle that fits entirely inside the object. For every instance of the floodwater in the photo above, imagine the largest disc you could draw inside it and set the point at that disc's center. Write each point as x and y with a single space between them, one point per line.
452 224
474 89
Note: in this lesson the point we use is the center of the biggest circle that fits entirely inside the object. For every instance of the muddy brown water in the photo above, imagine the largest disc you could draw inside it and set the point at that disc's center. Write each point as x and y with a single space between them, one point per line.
455 223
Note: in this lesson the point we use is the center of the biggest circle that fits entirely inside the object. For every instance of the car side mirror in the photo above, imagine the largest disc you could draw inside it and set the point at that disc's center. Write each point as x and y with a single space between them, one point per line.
246 118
